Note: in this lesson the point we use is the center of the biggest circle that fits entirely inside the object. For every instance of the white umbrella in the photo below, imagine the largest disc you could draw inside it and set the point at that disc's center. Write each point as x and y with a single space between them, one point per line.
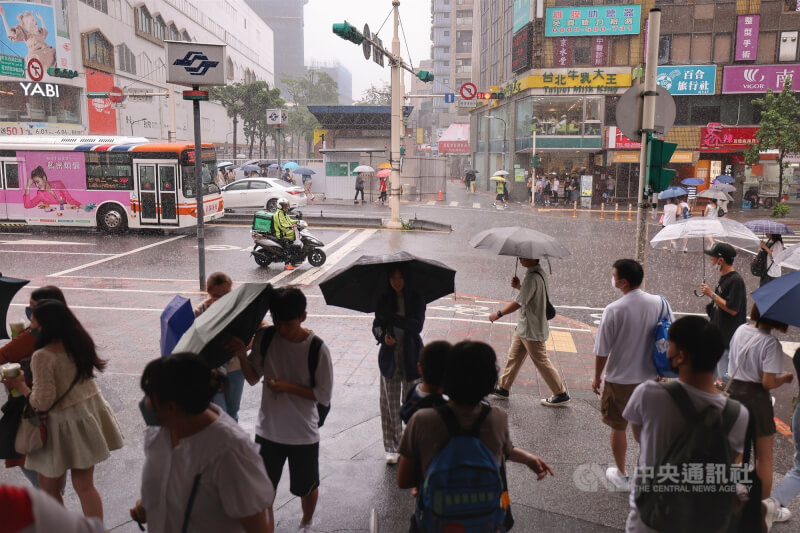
501 173
789 258
716 194
363 168
724 187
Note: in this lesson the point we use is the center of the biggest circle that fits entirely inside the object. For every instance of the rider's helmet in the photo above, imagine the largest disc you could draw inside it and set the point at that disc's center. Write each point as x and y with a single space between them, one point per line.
283 202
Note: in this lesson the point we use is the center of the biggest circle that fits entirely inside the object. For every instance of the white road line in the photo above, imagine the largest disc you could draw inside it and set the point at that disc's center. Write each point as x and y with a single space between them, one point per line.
59 253
431 203
287 273
476 205
312 274
82 289
34 242
117 256
97 308
453 204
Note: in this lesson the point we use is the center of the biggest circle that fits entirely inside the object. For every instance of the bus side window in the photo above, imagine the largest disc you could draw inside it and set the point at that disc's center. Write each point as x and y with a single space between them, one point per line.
12 176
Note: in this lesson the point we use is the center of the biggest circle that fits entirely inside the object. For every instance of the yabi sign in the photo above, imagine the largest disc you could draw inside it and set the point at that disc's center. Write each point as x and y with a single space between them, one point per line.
195 64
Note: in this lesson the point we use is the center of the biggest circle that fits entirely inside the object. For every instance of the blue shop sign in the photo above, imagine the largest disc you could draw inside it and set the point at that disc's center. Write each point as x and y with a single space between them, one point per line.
593 20
688 79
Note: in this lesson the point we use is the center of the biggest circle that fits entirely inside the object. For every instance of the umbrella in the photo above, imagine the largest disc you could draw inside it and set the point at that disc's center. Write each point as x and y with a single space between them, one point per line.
251 168
498 178
363 168
715 194
724 178
672 192
519 242
777 300
789 258
385 165
237 314
290 165
471 171
501 173
224 164
176 318
360 285
8 288
693 181
769 227
384 173
724 187
274 166
304 171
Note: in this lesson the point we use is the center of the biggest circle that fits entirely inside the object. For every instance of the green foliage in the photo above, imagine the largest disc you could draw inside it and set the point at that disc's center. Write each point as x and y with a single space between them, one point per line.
779 128
230 97
257 98
315 88
780 210
377 95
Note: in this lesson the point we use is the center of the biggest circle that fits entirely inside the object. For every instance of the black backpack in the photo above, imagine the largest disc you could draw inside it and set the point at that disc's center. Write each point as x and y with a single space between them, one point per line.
673 503
758 265
313 362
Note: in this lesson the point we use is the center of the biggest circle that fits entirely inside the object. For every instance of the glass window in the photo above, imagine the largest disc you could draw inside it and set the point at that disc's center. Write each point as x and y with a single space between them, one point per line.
582 51
701 48
791 5
12 176
559 115
256 184
185 36
174 34
100 5
722 48
526 122
144 22
107 171
237 186
681 47
664 45
16 107
97 51
127 61
159 28
209 170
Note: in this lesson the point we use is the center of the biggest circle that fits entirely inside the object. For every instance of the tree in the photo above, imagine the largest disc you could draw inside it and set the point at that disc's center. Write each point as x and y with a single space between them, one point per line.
779 128
315 88
257 97
230 97
377 95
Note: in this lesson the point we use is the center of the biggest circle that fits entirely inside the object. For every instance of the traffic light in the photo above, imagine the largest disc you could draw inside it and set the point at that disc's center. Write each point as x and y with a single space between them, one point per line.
348 32
491 96
536 161
658 154
62 72
425 76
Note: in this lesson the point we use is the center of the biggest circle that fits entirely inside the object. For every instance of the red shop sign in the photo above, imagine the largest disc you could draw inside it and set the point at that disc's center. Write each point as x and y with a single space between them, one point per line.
716 137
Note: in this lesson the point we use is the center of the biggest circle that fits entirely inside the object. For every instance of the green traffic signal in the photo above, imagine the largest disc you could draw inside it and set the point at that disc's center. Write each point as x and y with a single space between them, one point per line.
536 161
425 76
348 32
62 72
659 154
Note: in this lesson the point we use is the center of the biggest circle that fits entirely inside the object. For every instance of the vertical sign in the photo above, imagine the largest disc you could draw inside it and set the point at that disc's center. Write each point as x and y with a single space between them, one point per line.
747 37
102 116
599 51
562 52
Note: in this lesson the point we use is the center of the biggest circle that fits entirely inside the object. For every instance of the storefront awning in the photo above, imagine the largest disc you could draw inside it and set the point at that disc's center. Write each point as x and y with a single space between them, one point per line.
455 140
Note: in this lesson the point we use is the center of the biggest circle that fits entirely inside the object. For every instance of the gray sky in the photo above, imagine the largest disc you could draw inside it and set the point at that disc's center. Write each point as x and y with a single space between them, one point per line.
322 45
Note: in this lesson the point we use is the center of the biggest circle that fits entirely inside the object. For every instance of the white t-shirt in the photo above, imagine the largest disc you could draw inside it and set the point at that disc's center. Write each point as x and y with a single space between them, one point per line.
670 213
556 184
764 355
711 210
233 483
681 207
653 408
287 418
775 269
625 336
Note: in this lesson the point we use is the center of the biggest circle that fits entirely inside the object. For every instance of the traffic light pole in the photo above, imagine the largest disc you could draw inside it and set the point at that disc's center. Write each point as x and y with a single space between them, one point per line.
648 126
397 121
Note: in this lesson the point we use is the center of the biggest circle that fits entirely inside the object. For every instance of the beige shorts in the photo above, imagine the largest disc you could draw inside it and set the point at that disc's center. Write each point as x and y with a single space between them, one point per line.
612 403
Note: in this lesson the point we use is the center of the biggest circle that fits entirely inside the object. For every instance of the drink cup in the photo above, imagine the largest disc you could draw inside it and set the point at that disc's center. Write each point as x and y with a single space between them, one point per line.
12 370
17 328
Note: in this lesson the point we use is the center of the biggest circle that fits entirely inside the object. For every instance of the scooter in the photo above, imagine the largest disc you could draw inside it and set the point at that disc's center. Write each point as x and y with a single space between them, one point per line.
269 249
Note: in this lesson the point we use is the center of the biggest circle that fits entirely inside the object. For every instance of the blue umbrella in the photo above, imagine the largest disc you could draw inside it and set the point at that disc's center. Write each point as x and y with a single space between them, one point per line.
304 171
779 299
274 165
176 319
693 181
724 178
290 165
672 192
251 168
768 227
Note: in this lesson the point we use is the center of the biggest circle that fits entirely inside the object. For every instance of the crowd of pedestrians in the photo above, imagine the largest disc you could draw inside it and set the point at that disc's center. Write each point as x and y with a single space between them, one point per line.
203 473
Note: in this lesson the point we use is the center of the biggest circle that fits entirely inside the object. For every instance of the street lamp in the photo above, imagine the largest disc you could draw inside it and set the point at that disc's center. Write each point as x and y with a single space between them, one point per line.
134 122
490 117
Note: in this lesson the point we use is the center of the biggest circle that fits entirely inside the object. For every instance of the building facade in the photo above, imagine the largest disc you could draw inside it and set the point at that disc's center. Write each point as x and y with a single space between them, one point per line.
120 44
341 75
285 17
561 66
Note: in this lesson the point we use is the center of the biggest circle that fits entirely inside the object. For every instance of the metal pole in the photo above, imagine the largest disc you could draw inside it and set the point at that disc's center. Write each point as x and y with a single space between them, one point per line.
278 145
397 121
533 169
198 188
172 133
648 125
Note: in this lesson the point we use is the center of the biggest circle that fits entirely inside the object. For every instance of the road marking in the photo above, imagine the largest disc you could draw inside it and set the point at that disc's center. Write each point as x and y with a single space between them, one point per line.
33 242
117 256
476 205
431 203
82 289
58 253
314 273
453 204
287 273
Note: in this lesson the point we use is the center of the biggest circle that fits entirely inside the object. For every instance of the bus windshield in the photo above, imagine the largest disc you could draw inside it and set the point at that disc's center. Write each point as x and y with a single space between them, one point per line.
209 171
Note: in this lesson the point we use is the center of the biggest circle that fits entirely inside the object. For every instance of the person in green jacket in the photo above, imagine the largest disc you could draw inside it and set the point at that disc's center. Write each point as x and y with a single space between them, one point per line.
501 194
284 226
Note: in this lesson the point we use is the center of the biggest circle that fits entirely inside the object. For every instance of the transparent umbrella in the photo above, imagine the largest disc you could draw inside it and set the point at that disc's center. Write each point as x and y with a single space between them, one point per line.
789 258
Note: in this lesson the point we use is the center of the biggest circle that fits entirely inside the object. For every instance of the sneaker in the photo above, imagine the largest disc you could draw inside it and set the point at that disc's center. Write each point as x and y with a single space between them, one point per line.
288 267
494 205
392 458
303 527
768 511
556 400
783 514
500 392
621 483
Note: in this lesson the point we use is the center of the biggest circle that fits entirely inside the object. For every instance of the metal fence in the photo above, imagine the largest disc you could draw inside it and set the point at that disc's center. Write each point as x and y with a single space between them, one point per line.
422 178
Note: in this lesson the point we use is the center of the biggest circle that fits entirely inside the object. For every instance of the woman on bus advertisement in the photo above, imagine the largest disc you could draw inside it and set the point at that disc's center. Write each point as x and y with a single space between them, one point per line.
47 192
53 180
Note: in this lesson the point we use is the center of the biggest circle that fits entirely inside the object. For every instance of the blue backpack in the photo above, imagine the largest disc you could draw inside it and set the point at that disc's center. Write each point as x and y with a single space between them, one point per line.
661 333
463 489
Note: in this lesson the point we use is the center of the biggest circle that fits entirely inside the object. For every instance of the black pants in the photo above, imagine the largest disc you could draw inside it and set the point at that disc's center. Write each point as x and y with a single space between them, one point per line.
382 198
355 198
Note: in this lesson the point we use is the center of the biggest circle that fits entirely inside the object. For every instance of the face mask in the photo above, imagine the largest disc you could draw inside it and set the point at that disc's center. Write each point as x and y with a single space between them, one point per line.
717 266
28 312
36 333
613 283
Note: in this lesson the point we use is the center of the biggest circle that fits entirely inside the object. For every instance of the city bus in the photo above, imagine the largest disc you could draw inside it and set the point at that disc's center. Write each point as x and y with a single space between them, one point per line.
113 183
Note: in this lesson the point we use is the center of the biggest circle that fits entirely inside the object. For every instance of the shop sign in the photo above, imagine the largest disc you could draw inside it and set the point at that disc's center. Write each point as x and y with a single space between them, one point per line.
758 78
593 20
48 90
522 49
12 66
616 140
715 136
41 128
562 52
747 37
572 81
522 13
688 79
599 51
633 157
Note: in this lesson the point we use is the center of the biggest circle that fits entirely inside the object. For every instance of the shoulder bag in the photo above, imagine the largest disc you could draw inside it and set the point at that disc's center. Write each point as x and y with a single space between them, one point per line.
550 311
32 432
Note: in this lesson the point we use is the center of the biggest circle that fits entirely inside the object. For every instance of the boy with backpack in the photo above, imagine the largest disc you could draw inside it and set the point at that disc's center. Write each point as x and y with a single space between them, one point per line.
298 384
682 426
427 393
439 443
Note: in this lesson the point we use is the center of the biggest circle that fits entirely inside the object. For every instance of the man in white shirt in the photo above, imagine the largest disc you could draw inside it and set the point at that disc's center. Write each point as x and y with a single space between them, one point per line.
288 421
670 213
554 192
695 346
624 349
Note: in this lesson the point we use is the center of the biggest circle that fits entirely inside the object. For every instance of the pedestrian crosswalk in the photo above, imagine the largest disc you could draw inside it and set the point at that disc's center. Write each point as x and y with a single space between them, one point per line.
474 205
788 240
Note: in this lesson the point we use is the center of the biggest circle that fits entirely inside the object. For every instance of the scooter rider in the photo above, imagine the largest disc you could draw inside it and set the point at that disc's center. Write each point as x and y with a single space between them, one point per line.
284 229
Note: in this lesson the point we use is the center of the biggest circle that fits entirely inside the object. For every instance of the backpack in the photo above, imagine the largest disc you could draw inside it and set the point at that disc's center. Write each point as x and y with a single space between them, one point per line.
758 265
720 212
547 188
668 502
463 488
685 212
661 333
313 362
414 404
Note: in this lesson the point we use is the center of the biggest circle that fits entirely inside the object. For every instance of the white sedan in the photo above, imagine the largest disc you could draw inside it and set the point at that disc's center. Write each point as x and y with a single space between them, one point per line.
262 193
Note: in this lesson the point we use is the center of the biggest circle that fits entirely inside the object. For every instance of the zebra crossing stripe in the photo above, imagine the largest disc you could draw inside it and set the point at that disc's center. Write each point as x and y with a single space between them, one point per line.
476 205
453 204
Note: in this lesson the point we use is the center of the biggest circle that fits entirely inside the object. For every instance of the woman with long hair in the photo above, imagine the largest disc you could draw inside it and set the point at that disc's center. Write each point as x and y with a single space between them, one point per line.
774 245
47 192
82 429
399 318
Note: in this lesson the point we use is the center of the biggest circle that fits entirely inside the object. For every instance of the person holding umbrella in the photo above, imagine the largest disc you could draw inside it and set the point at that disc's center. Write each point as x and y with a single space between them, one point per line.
399 318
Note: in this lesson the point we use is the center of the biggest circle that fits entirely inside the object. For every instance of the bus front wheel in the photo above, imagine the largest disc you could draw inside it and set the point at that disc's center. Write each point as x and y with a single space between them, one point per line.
112 219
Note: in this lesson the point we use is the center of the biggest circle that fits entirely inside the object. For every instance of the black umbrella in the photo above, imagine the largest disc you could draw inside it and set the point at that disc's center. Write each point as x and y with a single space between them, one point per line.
360 285
8 288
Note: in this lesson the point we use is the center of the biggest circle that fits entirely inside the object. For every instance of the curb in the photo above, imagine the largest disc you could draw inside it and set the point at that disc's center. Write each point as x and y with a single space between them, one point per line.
335 221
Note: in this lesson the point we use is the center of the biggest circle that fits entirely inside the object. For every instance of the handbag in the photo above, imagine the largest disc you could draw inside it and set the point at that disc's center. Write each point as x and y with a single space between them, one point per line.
550 311
32 432
9 426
